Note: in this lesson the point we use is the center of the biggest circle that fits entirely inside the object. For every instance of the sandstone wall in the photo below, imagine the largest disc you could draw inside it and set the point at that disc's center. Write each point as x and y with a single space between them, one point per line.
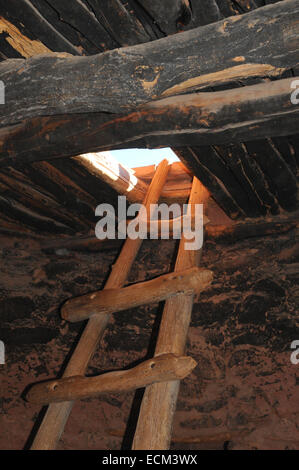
244 393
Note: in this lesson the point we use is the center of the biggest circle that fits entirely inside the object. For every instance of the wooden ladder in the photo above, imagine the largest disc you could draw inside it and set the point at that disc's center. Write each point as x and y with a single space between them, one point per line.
160 375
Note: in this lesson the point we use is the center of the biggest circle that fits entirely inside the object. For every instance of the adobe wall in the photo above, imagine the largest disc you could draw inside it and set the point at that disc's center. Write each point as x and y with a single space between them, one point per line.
244 393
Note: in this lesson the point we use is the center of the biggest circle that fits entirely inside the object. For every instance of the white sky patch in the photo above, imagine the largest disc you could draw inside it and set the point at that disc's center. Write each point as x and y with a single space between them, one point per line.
142 157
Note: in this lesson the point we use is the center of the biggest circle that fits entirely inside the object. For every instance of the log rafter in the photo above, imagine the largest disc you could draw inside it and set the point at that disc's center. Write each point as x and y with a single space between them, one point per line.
245 188
264 44
197 119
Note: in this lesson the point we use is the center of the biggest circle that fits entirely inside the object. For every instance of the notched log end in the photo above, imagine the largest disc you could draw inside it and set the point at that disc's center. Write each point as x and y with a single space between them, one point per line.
169 366
183 366
202 279
66 311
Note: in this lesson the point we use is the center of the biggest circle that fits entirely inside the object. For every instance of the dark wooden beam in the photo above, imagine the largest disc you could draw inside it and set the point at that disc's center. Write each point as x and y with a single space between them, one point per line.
280 179
252 228
214 118
168 14
68 31
122 24
189 156
69 195
28 217
220 233
16 187
284 148
204 12
24 15
238 164
77 14
261 43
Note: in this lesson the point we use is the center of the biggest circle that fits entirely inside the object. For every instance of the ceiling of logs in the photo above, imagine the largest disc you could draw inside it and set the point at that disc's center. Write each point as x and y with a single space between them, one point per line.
247 179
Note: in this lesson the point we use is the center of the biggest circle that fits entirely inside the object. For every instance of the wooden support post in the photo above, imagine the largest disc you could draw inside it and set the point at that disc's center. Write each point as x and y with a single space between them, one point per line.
159 402
55 419
107 301
158 369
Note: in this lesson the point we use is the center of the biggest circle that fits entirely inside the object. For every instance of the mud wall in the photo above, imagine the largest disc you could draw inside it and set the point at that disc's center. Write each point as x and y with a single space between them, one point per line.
244 393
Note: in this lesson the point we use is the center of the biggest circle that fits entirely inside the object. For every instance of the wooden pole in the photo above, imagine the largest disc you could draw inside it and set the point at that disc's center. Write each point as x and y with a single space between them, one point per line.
56 417
158 369
107 301
159 402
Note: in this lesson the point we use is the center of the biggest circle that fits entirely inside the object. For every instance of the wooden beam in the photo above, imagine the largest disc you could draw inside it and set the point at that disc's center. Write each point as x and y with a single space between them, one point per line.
122 24
220 233
106 168
159 401
29 217
66 192
191 156
158 369
74 36
167 14
253 228
23 13
19 42
205 12
17 187
210 118
82 19
56 417
107 301
178 184
280 179
265 44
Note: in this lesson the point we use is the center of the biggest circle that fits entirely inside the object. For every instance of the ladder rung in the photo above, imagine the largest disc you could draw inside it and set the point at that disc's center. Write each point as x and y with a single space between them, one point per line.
158 369
168 226
106 301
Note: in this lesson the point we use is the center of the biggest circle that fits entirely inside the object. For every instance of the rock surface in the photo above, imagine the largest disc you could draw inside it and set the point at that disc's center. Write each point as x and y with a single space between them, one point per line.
244 393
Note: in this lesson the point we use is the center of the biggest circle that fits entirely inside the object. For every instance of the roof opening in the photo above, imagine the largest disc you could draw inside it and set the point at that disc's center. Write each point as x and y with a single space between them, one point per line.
134 158
130 171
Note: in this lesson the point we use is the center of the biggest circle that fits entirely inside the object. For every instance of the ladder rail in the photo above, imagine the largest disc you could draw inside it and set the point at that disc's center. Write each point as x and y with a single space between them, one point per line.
154 426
